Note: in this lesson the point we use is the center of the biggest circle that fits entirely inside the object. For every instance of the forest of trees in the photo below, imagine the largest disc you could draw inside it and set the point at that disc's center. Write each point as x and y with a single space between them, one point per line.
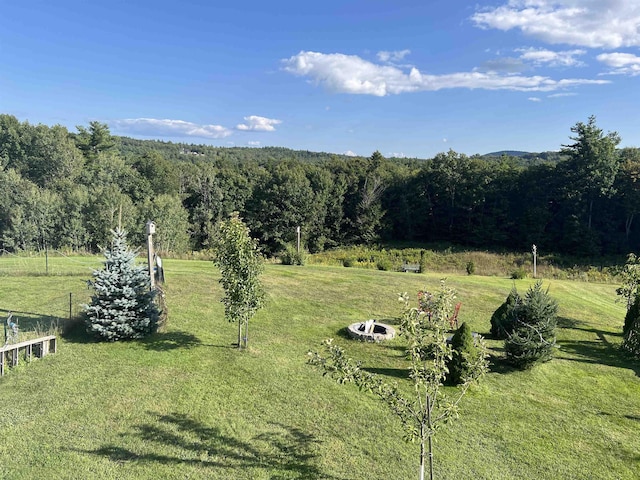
66 190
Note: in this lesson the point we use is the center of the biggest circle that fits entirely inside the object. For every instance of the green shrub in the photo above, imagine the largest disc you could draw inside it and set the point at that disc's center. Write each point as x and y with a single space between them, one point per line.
519 274
291 256
533 338
471 267
347 262
384 264
464 352
631 340
423 261
503 319
632 315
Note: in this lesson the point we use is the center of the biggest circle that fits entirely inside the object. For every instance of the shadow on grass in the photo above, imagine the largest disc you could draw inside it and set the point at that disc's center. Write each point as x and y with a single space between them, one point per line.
402 373
287 450
32 321
163 341
572 324
599 352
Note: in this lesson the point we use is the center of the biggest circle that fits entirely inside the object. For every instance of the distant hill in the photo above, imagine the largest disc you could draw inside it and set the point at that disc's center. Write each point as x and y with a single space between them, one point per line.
188 151
510 153
527 158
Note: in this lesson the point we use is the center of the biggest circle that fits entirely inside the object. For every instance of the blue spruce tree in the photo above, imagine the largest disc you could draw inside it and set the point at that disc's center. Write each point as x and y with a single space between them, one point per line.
123 305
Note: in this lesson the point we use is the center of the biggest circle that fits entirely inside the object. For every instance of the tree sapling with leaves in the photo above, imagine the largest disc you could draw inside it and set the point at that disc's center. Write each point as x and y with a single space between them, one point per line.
240 265
429 352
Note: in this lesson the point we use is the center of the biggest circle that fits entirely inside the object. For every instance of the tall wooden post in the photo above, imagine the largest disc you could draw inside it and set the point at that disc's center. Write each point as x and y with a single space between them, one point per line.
151 229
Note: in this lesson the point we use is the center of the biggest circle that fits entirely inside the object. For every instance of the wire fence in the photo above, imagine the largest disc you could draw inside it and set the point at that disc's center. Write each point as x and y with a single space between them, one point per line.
48 262
44 291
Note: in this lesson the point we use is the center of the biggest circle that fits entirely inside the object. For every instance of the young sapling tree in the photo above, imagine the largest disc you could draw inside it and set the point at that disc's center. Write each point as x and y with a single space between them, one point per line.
422 413
240 265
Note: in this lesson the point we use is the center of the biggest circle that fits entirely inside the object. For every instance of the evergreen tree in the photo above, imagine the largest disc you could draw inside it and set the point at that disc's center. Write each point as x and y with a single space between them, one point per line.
631 329
533 338
633 314
123 305
631 341
464 355
503 319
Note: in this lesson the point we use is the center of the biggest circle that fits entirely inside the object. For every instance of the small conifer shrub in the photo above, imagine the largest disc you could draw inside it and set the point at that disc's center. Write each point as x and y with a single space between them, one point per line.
631 329
464 352
503 319
633 313
534 336
122 306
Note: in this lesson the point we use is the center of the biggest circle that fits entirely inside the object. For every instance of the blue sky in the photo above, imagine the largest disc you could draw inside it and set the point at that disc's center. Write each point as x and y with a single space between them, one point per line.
406 78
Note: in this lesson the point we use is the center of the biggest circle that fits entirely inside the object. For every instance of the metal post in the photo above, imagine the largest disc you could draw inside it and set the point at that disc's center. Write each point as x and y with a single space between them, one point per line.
535 261
151 229
298 232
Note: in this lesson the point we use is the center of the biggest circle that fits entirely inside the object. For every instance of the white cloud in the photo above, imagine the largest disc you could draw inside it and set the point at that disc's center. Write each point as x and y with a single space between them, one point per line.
534 99
621 63
253 144
588 23
396 155
175 128
394 56
349 153
567 94
258 124
541 56
351 74
503 64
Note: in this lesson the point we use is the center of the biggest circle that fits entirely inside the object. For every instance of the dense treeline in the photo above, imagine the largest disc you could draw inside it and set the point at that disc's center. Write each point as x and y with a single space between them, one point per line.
66 189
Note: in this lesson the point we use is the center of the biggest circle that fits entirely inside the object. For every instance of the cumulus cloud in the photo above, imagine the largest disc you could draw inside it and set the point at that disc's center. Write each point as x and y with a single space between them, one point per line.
394 56
587 23
174 128
534 99
351 74
621 63
349 153
258 124
541 56
253 144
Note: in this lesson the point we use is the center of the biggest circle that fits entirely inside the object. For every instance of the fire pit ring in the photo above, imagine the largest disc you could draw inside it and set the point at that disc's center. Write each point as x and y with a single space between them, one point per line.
371 331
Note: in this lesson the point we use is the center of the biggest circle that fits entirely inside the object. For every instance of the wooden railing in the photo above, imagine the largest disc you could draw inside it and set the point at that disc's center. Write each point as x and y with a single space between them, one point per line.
38 346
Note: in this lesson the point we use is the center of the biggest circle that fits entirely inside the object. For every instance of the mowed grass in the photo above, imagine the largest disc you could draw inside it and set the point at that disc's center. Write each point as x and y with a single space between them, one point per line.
186 404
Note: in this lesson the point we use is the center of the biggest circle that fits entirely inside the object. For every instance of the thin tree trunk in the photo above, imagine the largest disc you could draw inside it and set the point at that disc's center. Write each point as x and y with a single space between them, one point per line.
422 452
239 334
246 332
429 425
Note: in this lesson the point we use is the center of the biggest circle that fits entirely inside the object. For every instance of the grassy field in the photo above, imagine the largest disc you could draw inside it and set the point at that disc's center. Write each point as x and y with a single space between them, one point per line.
185 404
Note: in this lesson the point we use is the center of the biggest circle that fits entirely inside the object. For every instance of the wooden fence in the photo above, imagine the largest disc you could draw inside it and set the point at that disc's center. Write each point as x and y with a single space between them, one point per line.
38 346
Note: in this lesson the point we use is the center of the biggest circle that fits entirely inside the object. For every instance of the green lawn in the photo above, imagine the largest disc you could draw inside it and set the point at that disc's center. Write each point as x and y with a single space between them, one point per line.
186 404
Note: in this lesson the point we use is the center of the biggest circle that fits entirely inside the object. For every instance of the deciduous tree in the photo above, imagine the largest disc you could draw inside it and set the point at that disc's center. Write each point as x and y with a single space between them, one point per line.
240 264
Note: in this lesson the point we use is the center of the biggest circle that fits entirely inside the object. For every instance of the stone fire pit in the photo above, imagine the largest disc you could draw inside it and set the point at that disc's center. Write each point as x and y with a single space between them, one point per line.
371 331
